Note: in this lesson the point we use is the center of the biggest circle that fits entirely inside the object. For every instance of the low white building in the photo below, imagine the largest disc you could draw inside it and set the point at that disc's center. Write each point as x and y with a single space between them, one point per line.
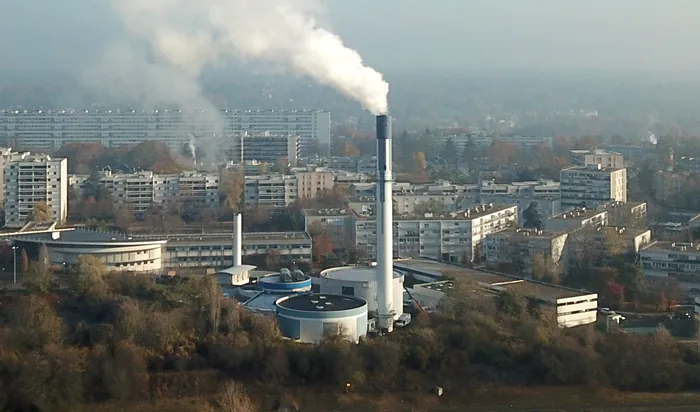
572 307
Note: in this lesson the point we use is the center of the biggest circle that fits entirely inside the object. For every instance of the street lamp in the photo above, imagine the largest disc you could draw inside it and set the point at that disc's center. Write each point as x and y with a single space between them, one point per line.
14 262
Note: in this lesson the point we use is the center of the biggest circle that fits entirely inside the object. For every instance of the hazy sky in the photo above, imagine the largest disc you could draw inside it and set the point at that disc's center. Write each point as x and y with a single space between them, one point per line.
420 34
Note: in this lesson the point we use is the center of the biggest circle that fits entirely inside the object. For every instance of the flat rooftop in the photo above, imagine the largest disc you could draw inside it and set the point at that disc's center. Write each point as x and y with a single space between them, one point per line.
579 214
227 237
529 233
537 290
354 273
83 236
466 214
663 246
321 302
592 168
326 212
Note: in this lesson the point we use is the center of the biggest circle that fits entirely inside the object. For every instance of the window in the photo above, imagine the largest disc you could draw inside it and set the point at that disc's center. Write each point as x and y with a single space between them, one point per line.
348 290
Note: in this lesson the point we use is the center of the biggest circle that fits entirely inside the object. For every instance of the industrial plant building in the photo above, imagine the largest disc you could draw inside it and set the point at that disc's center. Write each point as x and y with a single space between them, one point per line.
310 318
48 130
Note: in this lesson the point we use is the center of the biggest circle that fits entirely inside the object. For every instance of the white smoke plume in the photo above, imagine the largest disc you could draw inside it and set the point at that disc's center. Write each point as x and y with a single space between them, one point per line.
193 34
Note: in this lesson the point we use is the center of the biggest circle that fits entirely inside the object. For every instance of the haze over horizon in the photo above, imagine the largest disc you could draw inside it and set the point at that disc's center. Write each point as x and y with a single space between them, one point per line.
412 35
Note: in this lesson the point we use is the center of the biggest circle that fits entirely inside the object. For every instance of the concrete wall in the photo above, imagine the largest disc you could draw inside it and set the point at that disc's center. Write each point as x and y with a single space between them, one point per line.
311 330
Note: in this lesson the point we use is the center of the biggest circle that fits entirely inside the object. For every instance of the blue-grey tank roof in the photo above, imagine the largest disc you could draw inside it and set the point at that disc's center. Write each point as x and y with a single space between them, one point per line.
321 302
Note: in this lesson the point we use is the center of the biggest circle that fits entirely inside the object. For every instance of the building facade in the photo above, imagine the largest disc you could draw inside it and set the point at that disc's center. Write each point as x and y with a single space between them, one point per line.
453 237
592 185
48 130
32 180
528 252
279 191
141 191
265 148
608 160
672 261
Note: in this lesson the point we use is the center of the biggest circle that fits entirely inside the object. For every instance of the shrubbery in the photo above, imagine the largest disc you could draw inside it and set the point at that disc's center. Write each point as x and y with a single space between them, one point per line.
130 339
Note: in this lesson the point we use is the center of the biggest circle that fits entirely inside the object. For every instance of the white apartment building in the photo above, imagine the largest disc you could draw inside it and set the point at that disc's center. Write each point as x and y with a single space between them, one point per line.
141 191
453 237
518 248
608 160
672 261
592 185
548 205
266 148
544 187
480 140
279 191
34 179
48 130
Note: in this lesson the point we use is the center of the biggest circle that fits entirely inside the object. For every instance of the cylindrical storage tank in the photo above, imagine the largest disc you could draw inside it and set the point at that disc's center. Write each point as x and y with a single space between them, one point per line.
276 284
362 282
312 317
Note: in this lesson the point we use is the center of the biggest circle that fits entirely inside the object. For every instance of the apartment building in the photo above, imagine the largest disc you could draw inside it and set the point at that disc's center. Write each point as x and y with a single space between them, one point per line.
592 247
453 237
482 140
608 160
626 214
577 218
336 223
672 261
544 187
279 191
34 179
48 130
525 251
356 164
265 148
140 191
668 185
592 185
548 205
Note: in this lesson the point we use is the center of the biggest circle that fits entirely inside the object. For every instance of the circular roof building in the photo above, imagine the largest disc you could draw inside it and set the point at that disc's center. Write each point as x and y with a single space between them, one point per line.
361 281
312 317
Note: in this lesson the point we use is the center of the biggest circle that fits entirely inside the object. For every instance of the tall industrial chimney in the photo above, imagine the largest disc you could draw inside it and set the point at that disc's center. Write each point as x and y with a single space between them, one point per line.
384 218
237 239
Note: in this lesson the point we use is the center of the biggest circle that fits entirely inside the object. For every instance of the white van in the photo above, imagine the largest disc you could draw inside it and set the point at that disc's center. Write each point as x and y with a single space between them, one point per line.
403 320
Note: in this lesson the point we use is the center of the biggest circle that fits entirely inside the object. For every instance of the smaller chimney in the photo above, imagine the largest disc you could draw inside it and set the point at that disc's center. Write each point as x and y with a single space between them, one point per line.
237 239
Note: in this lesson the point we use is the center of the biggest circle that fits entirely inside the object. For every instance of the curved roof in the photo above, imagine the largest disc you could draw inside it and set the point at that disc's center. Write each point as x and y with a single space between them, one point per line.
321 302
354 273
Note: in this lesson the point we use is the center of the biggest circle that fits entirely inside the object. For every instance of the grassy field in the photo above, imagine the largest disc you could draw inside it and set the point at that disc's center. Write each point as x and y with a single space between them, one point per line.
564 399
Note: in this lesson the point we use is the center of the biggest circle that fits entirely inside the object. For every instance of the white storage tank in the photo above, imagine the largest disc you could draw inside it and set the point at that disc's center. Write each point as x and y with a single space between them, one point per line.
312 317
362 282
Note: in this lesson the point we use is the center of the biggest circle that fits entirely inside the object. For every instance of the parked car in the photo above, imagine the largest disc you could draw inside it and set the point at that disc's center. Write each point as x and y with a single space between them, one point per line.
403 320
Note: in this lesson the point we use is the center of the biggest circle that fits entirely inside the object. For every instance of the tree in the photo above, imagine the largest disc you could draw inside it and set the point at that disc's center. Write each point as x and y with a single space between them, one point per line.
123 218
533 217
544 269
449 152
419 161
24 261
322 246
503 153
233 398
470 152
89 277
41 213
231 185
348 149
34 324
39 276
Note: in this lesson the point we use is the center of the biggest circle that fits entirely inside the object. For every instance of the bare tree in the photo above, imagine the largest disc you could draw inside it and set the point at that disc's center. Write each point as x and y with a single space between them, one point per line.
233 398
